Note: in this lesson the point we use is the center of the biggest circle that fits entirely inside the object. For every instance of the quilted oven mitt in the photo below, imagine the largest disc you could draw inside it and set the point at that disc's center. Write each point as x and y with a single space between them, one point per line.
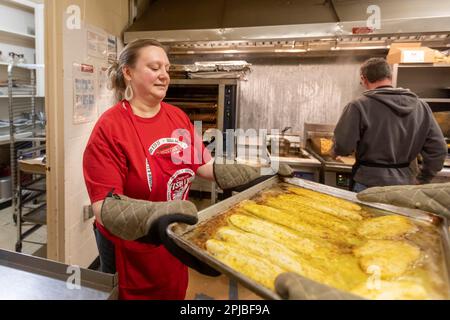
132 219
229 176
292 286
433 198
147 222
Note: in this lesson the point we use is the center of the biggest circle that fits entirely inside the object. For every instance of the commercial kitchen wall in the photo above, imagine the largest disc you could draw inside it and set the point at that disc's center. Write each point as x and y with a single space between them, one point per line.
71 238
289 92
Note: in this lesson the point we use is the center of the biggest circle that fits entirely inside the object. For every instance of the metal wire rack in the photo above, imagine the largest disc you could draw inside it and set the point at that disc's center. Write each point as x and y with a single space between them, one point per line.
27 141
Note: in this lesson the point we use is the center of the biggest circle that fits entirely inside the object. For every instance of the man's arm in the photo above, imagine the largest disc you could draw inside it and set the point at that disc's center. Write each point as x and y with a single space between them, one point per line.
347 132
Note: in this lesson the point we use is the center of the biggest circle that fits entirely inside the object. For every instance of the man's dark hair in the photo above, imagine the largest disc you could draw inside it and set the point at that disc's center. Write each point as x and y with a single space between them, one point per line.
376 69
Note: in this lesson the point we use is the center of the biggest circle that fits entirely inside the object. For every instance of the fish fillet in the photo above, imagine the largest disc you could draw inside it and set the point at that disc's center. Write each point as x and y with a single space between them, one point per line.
325 198
339 271
391 258
386 227
271 250
329 208
392 290
310 215
286 219
256 268
285 236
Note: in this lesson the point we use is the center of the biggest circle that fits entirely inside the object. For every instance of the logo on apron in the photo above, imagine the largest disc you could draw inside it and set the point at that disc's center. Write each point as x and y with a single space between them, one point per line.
149 175
178 185
167 146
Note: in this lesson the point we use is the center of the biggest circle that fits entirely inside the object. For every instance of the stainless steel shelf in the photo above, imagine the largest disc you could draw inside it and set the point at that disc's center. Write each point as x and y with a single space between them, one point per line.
424 65
5 200
37 185
436 100
5 139
22 97
203 81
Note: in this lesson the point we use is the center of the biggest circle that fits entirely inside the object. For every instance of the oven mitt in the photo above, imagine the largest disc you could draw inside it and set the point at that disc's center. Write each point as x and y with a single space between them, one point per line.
131 219
433 198
292 286
146 221
229 176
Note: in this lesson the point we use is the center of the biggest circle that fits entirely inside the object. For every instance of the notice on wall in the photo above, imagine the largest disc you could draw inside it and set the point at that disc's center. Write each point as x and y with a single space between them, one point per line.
97 43
84 95
112 49
104 95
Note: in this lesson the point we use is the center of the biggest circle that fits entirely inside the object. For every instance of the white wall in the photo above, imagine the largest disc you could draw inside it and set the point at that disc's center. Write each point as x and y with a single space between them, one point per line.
111 17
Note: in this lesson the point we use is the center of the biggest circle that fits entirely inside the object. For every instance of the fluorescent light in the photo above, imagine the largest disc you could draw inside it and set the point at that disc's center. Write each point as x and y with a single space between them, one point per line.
289 50
359 48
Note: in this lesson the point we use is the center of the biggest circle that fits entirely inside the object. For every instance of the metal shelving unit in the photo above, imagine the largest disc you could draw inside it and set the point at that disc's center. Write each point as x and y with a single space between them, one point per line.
31 204
431 82
26 141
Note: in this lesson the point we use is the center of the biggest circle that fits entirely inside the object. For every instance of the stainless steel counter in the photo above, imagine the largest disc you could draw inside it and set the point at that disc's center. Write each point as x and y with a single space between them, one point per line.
30 278
442 176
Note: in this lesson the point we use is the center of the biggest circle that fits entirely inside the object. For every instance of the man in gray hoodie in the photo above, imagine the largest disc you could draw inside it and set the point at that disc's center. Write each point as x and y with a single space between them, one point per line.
388 128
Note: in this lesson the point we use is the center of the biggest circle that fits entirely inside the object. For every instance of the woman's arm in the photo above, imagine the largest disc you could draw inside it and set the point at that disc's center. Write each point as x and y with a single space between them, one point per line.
97 209
206 171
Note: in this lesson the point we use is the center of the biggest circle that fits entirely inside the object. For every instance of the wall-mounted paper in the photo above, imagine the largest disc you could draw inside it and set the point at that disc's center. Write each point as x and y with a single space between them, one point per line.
97 43
84 104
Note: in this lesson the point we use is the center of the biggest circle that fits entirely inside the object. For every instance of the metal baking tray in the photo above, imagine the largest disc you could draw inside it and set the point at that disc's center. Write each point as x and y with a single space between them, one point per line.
24 277
181 237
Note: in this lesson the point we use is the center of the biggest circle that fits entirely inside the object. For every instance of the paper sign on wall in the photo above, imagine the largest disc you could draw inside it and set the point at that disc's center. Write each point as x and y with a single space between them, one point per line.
84 104
104 95
112 49
97 44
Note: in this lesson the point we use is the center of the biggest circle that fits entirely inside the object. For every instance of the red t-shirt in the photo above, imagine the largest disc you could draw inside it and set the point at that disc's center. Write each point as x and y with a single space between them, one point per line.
152 159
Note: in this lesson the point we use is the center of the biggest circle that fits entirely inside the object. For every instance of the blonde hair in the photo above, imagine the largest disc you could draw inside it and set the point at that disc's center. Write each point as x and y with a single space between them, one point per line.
127 58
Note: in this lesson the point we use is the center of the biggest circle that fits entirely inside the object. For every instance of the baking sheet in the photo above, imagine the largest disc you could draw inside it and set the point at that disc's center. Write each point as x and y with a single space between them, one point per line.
181 238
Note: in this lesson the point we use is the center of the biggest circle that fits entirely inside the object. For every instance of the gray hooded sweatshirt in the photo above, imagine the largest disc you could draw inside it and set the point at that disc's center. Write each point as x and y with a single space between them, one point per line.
390 126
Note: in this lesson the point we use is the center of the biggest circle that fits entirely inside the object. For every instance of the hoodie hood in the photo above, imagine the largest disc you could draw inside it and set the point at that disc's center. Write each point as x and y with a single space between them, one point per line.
401 101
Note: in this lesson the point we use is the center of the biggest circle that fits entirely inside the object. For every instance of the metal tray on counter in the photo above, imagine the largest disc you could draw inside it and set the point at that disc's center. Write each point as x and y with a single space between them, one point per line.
24 277
181 238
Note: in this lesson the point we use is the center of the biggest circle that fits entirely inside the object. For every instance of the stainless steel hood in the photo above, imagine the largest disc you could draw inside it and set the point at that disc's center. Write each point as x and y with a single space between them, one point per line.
295 25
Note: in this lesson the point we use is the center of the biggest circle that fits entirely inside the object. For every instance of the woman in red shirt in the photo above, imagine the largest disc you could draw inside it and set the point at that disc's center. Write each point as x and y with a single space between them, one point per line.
131 152
138 166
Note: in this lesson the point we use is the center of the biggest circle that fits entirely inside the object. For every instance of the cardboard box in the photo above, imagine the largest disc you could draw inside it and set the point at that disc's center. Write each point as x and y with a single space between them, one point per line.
410 53
221 288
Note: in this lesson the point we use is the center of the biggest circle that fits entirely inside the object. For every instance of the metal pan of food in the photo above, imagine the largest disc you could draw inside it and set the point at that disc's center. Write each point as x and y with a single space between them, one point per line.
327 236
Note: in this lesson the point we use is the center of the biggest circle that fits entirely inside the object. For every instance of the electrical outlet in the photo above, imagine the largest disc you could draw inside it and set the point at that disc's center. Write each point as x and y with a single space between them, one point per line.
88 213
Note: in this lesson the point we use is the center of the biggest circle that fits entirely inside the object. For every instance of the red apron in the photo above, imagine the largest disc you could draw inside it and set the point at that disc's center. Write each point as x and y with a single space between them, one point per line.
147 272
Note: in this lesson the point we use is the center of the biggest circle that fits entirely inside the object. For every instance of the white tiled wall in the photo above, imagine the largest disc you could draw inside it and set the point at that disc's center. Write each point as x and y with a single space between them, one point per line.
110 16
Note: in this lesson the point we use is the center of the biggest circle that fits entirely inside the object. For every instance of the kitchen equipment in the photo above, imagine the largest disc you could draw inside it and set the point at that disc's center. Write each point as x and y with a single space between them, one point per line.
30 278
212 101
212 215
443 119
335 172
292 153
5 188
